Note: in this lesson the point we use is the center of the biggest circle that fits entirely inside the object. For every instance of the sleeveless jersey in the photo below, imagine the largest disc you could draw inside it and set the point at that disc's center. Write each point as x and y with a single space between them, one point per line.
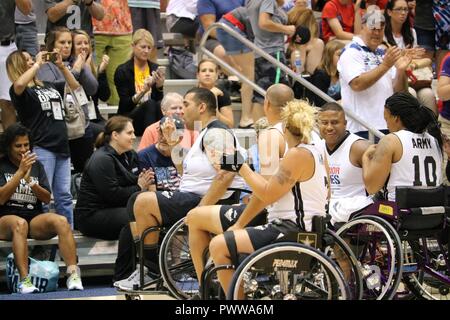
420 164
346 180
198 172
307 198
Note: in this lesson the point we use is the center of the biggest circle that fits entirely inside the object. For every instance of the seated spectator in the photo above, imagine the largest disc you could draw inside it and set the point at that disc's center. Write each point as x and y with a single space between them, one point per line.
38 106
76 14
23 189
243 56
398 32
290 4
139 83
182 17
369 75
60 39
310 52
207 75
82 43
344 154
157 157
325 77
411 155
171 104
110 177
443 92
112 37
341 20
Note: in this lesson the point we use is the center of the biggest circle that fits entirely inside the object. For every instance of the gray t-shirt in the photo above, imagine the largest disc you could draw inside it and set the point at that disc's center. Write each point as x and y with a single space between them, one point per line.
7 29
77 17
20 18
270 42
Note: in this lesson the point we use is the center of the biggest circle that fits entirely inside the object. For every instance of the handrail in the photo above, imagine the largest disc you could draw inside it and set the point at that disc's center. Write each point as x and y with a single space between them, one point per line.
372 131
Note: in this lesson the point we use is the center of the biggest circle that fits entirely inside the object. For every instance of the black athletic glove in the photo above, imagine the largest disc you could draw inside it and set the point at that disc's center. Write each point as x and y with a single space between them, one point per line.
232 162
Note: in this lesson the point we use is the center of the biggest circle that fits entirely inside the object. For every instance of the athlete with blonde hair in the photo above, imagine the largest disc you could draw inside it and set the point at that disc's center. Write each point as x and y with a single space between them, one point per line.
294 195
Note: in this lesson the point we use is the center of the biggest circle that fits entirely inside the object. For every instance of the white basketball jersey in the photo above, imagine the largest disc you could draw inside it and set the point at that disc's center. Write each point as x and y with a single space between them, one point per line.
420 164
346 180
198 172
307 198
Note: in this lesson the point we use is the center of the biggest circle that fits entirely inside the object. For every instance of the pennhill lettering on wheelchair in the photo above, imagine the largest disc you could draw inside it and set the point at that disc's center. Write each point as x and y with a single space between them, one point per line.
225 309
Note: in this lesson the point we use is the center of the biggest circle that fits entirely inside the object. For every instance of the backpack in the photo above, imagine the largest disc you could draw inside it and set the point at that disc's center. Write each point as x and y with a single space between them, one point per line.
182 64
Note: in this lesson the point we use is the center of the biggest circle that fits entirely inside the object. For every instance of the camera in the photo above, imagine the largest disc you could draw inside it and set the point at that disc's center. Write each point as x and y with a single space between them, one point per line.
50 57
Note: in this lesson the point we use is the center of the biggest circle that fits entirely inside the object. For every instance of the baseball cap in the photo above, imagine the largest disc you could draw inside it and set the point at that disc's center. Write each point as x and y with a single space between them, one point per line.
373 17
302 35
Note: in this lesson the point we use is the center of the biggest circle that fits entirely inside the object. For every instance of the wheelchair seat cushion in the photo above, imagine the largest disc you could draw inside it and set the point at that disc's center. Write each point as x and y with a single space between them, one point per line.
416 197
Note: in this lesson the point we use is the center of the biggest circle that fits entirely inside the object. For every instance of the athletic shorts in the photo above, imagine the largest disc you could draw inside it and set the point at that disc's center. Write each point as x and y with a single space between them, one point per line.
266 74
232 45
229 214
175 205
264 235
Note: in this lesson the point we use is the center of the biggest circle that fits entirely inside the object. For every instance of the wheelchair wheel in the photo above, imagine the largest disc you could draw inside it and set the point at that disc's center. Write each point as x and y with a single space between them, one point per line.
288 271
378 250
339 251
177 268
427 252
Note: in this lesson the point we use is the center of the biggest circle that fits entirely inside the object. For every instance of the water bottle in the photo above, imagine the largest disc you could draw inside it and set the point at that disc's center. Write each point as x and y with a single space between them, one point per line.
297 62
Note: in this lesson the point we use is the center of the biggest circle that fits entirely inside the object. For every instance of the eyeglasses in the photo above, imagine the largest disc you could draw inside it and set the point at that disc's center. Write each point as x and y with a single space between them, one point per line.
400 9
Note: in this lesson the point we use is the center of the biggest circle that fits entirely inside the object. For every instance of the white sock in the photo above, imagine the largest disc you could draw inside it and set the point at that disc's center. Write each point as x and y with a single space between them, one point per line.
71 269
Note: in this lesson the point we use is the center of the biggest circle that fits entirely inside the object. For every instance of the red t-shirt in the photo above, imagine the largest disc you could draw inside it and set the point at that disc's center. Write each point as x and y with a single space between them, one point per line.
344 13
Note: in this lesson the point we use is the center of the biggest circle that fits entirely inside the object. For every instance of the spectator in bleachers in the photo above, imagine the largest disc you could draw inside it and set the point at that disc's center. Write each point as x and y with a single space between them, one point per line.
269 24
60 39
443 91
39 108
326 76
82 44
290 4
26 32
312 51
243 56
369 75
113 37
145 14
182 17
424 26
110 177
344 154
171 104
157 157
207 75
341 20
210 11
139 83
73 14
398 32
7 45
441 13
23 189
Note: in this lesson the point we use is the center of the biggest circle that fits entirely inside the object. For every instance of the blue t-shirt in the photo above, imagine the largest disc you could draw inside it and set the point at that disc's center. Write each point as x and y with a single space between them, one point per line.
166 174
217 7
445 112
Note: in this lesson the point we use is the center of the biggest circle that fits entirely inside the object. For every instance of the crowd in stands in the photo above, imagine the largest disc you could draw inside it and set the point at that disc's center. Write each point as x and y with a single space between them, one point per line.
376 58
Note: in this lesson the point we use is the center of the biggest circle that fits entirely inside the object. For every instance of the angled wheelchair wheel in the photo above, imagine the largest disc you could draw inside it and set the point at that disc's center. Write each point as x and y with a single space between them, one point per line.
378 250
427 272
339 251
177 268
288 271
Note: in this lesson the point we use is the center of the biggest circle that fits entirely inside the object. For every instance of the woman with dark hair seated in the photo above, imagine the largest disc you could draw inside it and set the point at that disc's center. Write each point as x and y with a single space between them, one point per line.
23 189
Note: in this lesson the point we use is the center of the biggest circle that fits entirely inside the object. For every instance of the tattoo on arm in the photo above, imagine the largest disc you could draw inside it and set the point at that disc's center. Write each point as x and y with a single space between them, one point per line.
284 176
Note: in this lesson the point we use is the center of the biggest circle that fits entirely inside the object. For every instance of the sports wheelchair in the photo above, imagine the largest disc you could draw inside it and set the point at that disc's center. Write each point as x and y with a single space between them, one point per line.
405 240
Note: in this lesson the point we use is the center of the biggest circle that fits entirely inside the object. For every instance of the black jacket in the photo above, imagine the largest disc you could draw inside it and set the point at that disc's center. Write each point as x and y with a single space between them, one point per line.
124 81
109 179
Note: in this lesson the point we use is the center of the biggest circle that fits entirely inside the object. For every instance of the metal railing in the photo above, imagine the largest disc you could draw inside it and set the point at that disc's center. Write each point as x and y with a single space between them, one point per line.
372 131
